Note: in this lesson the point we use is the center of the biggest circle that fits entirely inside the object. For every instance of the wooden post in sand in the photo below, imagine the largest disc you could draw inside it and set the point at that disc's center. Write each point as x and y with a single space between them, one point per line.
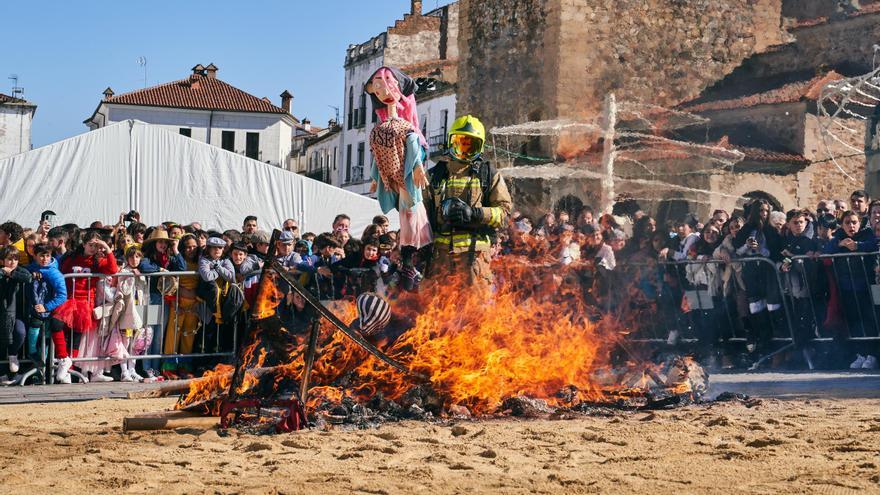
168 420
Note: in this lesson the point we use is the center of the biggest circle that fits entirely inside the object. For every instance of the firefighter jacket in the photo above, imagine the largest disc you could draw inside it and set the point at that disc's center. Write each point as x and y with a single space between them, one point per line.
462 180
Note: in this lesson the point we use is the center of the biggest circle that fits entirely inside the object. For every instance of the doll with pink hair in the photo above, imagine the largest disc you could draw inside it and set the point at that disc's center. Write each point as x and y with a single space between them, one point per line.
399 150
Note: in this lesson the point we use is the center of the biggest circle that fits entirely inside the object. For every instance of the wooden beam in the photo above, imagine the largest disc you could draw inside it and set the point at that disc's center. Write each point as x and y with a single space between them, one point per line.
168 420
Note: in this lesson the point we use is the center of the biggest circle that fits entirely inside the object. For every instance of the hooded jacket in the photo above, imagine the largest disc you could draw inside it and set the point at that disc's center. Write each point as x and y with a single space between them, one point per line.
49 290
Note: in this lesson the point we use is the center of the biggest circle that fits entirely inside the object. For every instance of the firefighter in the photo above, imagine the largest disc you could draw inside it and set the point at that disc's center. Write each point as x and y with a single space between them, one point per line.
467 201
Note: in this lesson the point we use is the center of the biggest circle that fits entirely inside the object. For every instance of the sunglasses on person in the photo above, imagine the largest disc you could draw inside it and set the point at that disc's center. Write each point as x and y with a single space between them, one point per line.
819 210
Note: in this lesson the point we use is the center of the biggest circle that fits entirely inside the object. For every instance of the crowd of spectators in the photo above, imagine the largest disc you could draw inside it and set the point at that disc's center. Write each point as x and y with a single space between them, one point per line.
48 288
731 284
746 277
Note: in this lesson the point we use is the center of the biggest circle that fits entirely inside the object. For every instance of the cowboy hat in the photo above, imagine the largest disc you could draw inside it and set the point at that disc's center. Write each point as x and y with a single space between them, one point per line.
156 235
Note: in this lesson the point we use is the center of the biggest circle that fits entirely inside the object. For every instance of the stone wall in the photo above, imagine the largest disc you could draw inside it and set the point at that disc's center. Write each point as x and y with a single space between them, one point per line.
504 69
411 48
846 47
567 54
823 179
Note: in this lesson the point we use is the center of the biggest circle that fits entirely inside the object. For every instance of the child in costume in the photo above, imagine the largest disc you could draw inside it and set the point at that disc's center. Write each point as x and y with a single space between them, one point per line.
126 320
399 150
77 313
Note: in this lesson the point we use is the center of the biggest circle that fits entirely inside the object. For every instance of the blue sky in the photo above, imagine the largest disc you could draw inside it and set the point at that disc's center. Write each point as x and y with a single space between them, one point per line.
66 52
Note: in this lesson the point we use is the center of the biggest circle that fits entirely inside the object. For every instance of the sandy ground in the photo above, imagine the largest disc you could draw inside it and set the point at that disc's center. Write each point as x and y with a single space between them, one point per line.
806 446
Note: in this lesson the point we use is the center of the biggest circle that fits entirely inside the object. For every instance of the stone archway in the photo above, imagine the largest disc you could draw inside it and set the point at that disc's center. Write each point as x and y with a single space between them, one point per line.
752 195
753 186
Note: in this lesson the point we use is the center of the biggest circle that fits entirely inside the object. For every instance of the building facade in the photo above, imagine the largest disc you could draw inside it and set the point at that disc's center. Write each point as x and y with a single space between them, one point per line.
16 117
752 68
207 109
315 151
322 159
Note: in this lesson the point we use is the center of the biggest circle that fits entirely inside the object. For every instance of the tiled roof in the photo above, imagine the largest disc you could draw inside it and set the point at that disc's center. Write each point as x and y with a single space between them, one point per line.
10 99
872 8
198 92
763 155
792 92
767 156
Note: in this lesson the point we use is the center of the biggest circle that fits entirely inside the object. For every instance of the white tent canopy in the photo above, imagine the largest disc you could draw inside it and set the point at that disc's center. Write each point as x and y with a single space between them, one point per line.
166 177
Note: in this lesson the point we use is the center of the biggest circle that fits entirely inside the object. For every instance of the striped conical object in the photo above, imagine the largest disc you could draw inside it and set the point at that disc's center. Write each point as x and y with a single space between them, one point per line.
374 313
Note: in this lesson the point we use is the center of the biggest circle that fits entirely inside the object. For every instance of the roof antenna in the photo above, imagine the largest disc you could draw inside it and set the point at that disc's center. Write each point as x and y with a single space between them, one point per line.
142 62
17 91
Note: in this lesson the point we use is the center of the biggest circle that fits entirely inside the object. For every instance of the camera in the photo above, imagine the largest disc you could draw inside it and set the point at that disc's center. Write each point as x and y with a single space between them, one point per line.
131 216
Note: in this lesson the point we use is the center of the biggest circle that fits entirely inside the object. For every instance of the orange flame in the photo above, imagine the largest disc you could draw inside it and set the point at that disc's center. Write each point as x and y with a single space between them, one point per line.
531 337
268 297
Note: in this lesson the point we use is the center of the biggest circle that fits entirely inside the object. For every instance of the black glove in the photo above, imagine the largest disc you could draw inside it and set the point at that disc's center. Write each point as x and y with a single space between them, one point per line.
457 213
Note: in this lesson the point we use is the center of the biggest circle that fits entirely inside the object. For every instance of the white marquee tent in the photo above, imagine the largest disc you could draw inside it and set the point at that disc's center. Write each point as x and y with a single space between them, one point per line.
166 176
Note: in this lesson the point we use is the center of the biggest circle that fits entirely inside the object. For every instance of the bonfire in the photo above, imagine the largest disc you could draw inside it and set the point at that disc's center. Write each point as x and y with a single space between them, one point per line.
527 349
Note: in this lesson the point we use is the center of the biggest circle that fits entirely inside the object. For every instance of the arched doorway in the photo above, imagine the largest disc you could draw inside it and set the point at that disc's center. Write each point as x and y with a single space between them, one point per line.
570 203
753 195
671 210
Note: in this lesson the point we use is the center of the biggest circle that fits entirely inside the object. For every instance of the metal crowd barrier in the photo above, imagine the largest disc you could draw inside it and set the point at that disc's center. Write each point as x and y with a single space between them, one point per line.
687 302
156 316
39 365
846 306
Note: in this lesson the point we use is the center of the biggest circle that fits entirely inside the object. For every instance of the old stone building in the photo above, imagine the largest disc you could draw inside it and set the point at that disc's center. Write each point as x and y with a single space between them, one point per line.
752 68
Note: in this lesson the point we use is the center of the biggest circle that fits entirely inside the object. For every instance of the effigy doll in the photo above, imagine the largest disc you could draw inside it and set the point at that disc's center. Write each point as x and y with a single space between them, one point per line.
399 150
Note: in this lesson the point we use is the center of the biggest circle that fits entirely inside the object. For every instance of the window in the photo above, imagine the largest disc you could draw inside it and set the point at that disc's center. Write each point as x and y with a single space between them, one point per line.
424 124
227 140
363 109
358 171
374 118
444 117
348 164
350 106
186 131
334 158
252 145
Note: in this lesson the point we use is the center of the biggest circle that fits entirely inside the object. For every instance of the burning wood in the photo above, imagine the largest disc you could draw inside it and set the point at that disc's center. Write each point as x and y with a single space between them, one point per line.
526 351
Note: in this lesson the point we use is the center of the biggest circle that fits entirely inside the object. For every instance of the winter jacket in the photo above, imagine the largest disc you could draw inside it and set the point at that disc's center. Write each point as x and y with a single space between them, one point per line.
853 273
769 242
131 296
683 246
149 266
10 284
322 285
801 279
731 277
212 273
49 290
211 270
